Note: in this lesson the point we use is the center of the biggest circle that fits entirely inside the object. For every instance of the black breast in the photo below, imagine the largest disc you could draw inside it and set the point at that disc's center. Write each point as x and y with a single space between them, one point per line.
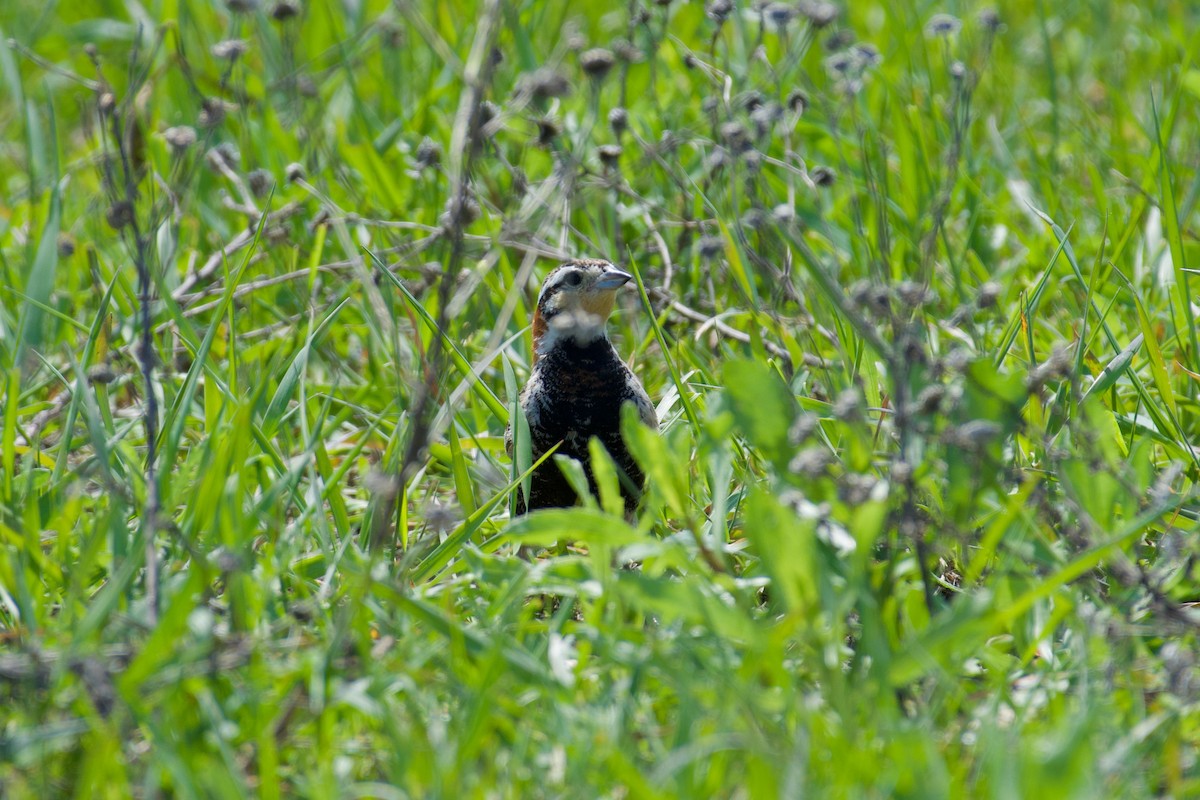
576 393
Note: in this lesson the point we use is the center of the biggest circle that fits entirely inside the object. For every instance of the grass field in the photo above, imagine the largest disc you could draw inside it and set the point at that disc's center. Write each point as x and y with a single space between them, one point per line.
914 298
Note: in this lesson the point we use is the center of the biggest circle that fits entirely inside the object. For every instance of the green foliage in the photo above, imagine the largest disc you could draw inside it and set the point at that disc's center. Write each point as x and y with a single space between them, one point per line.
912 296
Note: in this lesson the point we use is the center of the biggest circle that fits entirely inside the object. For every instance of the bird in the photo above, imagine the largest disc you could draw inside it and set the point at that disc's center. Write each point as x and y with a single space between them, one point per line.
578 384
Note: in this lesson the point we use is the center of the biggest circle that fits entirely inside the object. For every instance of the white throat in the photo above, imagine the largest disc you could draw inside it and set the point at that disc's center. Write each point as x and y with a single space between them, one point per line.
579 327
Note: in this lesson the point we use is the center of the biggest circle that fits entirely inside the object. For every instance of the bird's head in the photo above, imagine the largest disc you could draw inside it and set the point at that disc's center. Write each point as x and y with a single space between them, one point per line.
575 302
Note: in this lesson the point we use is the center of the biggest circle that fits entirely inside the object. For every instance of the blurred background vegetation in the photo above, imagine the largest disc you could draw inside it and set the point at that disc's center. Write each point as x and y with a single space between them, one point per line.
913 300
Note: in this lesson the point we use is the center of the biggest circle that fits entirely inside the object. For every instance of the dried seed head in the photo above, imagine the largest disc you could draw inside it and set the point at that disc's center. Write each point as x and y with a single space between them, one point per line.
488 111
989 293
960 314
913 295
749 100
811 462
958 70
690 61
180 137
1060 359
107 102
871 297
275 234
929 401
303 611
627 51
958 359
719 10
101 373
283 10
867 55
119 214
520 182
840 39
229 49
797 102
322 217
841 64
224 155
1056 367
754 219
544 83
989 20
618 120
765 116
717 158
1179 663
429 153
803 427
548 129
819 14
609 154
912 350
855 488
597 62
783 213
710 247
66 245
751 160
973 436
943 25
669 142
460 215
212 112
441 517
823 176
294 172
779 14
848 406
734 135
260 181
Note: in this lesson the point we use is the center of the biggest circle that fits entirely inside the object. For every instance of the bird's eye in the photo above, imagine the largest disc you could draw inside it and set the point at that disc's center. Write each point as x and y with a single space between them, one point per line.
572 278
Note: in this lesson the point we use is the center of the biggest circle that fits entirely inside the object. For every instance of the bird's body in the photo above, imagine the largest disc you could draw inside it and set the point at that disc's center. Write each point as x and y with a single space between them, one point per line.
579 383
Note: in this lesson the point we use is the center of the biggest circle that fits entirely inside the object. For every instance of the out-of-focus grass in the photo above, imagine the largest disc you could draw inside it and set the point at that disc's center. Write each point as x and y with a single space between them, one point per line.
915 299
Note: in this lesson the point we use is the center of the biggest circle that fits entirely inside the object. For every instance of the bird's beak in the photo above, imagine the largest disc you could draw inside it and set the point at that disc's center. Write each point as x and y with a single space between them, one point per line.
612 279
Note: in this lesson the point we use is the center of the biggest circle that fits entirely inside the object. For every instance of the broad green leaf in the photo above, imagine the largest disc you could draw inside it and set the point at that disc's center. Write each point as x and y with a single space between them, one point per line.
585 525
1113 369
762 404
463 487
608 484
666 473
786 545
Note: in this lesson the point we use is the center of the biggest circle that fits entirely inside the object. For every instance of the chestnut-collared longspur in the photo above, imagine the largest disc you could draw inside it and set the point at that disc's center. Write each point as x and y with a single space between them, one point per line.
578 383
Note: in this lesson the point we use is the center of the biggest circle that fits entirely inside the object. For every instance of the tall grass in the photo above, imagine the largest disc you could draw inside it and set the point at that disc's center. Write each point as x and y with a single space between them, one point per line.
913 298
